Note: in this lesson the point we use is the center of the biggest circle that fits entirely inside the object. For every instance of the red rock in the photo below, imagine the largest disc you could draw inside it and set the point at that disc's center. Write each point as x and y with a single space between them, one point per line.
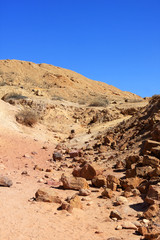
88 171
152 211
99 181
112 182
74 183
47 195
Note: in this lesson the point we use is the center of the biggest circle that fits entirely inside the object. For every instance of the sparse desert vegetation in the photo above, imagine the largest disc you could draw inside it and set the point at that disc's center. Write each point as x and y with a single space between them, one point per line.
27 117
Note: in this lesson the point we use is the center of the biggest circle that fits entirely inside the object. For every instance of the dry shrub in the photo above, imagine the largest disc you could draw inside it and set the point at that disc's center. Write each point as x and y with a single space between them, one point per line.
100 102
27 118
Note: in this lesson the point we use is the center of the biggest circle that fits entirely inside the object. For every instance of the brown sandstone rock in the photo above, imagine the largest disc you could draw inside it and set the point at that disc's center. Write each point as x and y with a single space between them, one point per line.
66 206
99 181
107 193
131 182
148 145
75 202
151 161
88 171
112 182
115 214
152 211
153 195
128 225
142 230
74 183
47 195
84 192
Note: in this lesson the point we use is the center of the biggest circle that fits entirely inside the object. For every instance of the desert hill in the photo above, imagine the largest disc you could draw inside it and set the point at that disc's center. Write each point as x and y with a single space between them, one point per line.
57 82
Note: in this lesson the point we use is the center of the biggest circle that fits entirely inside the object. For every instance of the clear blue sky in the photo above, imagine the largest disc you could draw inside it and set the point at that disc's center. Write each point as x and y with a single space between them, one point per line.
114 41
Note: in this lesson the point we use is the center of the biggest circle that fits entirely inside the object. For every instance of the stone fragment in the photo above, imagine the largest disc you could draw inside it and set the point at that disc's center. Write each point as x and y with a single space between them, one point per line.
152 211
88 171
121 200
115 214
74 183
151 161
66 206
107 193
47 195
128 225
118 227
74 154
5 181
131 182
75 202
112 182
84 192
57 156
135 192
142 230
148 145
132 159
99 181
153 195
143 171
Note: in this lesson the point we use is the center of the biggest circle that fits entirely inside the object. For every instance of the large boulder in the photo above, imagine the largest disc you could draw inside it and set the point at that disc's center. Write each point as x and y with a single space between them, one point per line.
47 195
74 183
88 171
99 181
131 182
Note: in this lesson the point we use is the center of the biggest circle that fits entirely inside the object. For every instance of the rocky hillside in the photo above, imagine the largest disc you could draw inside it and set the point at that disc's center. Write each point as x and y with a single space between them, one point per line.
57 82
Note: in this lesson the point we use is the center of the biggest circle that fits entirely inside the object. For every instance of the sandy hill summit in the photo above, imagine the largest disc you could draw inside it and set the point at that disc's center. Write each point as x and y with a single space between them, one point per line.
57 82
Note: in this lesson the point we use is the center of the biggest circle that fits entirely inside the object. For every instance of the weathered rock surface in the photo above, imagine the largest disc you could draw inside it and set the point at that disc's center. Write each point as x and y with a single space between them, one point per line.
47 195
88 171
75 183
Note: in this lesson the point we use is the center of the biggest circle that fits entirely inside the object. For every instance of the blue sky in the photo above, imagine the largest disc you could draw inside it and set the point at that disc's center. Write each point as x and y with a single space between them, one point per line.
114 41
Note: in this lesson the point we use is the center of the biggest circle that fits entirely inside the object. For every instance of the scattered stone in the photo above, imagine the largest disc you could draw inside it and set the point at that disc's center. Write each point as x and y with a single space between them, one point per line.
54 183
88 171
142 230
128 225
121 200
84 192
107 193
75 202
5 181
74 183
36 167
115 214
47 195
66 206
99 181
112 182
119 227
57 156
152 211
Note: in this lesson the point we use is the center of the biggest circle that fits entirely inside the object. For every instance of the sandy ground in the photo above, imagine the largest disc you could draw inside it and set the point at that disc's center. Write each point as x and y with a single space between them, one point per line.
24 219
